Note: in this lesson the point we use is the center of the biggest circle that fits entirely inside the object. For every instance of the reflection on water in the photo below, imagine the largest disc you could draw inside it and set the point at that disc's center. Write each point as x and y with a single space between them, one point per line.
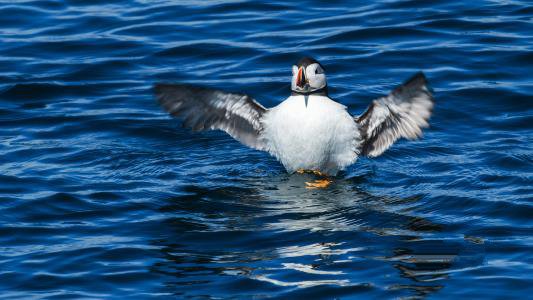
103 195
277 233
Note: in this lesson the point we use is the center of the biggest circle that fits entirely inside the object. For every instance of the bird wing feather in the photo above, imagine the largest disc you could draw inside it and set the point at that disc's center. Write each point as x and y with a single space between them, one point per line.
203 108
402 113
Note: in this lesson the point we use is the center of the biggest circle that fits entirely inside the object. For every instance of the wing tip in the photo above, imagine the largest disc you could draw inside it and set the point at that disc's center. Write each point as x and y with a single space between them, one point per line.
159 92
415 84
160 88
417 80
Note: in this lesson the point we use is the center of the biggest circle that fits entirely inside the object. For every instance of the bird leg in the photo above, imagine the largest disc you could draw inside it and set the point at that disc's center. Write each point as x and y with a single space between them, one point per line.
319 173
303 171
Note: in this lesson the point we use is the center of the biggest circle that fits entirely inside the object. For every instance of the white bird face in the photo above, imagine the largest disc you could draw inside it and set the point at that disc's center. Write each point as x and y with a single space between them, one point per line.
308 76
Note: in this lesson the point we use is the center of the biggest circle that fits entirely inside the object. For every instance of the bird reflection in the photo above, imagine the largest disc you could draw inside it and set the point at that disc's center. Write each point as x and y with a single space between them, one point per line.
276 232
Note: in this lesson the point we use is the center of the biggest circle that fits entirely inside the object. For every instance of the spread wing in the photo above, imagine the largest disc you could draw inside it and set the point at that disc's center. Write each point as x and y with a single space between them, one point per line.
202 109
403 113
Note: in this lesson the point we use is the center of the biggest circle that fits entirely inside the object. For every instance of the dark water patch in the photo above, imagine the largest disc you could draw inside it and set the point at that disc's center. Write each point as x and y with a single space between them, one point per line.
369 34
206 49
16 16
494 99
257 7
99 71
523 11
73 49
103 196
42 91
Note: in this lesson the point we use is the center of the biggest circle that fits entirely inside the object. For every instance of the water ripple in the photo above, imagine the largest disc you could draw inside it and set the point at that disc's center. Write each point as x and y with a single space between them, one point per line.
102 195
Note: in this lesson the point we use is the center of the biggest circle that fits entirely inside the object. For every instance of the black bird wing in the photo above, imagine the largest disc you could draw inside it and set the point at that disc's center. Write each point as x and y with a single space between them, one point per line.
203 109
402 113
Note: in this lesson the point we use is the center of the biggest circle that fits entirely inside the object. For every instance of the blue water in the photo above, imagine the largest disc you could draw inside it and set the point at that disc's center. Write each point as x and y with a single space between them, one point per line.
103 195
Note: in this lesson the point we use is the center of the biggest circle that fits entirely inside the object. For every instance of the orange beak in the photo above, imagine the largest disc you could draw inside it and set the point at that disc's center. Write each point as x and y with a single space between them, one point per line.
300 78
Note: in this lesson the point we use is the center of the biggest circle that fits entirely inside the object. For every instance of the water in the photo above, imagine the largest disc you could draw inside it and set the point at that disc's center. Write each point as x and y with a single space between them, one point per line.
103 195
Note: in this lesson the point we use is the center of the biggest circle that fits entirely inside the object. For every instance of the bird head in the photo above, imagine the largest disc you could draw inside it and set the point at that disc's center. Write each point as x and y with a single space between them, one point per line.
308 76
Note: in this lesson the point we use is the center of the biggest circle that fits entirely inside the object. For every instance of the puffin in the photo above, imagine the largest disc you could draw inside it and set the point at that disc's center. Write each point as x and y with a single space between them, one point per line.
308 132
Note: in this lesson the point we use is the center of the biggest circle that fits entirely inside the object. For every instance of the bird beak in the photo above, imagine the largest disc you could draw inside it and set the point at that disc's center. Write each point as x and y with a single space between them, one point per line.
300 79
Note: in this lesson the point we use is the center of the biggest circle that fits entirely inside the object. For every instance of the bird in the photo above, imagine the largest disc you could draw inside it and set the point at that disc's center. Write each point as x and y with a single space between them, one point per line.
308 131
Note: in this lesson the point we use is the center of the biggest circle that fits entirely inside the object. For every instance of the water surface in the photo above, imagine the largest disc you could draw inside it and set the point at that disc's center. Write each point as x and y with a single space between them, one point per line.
102 195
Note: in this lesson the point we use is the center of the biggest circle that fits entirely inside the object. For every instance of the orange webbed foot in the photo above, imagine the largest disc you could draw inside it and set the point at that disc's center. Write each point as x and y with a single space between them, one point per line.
322 183
318 184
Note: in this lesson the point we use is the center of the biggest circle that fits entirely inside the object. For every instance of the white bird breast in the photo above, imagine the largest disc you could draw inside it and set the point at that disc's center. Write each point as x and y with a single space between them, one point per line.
320 136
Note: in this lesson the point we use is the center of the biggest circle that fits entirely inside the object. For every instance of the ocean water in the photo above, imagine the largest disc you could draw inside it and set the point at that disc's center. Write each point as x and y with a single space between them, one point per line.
103 195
